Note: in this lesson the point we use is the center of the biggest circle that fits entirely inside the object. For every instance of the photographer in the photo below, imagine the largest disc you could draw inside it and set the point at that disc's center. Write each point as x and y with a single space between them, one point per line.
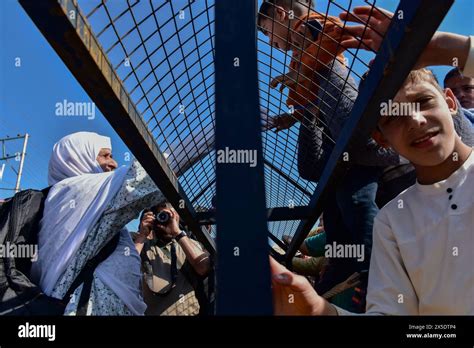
174 265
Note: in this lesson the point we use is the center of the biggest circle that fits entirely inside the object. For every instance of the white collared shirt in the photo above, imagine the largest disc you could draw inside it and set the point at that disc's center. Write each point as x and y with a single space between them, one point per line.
423 251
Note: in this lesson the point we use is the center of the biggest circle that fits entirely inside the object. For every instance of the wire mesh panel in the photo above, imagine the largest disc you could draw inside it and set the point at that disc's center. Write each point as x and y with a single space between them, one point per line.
318 87
319 103
339 119
163 52
157 60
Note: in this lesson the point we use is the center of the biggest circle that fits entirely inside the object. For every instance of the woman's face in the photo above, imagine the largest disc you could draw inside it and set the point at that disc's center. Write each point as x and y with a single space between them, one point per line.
106 161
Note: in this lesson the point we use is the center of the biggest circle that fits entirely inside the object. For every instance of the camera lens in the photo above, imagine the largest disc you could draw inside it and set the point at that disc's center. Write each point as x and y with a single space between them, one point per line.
162 217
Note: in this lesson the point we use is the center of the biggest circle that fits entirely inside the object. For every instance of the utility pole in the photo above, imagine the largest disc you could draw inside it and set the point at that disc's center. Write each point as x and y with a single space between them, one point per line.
6 157
22 160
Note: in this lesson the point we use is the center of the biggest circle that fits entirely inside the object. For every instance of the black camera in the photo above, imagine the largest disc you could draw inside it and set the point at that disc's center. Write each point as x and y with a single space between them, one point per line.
162 217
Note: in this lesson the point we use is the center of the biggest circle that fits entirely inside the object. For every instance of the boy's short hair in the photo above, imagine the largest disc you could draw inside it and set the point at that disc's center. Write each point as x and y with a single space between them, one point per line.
414 76
299 7
452 73
423 75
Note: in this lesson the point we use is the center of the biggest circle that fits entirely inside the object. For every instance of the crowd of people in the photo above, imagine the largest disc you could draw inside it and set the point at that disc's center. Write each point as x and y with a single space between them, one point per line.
407 194
407 199
159 270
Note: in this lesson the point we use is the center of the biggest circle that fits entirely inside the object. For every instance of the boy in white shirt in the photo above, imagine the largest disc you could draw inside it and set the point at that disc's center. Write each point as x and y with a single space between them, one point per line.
422 258
423 239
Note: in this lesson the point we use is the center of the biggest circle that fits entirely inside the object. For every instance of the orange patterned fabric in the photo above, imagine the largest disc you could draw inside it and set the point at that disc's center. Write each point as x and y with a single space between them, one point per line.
315 57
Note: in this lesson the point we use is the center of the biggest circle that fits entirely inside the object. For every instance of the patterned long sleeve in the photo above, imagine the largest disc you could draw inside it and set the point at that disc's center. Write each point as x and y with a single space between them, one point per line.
138 191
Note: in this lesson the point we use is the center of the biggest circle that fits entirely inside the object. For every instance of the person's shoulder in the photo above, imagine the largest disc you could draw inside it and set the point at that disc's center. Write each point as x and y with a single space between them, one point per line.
469 114
395 207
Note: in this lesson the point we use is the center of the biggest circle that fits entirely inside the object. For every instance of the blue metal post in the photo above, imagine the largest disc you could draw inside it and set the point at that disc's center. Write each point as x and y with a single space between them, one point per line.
243 277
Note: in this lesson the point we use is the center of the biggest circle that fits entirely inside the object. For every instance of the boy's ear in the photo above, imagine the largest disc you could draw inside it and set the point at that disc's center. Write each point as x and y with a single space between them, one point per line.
451 100
380 139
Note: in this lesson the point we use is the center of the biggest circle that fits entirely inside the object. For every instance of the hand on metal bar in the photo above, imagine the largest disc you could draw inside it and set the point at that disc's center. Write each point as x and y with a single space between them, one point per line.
287 80
294 295
375 21
369 35
282 121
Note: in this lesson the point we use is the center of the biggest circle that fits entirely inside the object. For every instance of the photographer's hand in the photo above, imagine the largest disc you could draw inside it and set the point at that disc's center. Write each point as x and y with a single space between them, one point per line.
197 258
172 227
144 230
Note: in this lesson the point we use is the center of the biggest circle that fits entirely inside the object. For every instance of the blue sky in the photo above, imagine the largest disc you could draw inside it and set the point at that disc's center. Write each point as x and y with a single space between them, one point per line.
28 94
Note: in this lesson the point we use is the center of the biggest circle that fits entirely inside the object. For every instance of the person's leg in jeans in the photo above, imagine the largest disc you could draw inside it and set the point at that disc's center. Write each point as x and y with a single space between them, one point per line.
348 219
338 269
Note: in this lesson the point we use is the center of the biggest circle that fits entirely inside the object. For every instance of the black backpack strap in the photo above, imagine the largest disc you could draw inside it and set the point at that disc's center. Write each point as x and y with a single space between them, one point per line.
85 277
173 267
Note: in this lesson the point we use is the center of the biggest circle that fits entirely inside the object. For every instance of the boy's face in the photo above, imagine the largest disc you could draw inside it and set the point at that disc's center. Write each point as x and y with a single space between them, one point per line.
426 137
277 31
463 89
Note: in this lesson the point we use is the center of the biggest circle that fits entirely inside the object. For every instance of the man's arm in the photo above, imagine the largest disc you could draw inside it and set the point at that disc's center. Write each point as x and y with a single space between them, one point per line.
443 49
283 121
195 255
144 231
139 242
198 258
390 291
303 248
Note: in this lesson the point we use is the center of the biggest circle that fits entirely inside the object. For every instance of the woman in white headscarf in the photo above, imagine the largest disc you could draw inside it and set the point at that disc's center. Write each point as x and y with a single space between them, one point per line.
89 203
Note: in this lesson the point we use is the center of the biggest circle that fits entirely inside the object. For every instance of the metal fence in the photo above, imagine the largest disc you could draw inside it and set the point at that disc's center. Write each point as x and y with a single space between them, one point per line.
150 66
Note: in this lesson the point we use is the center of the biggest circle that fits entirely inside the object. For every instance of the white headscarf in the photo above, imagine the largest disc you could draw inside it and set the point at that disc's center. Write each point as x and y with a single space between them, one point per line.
76 154
79 197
